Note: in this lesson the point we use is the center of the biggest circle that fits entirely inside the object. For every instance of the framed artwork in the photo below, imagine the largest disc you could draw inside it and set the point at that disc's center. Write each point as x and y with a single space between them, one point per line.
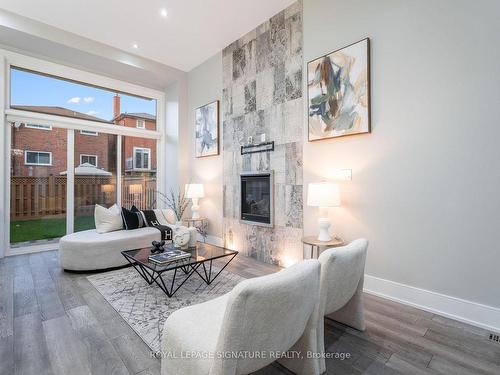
207 130
338 92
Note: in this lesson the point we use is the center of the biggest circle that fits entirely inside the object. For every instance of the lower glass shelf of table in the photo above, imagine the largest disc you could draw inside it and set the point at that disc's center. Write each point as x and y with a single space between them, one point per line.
167 275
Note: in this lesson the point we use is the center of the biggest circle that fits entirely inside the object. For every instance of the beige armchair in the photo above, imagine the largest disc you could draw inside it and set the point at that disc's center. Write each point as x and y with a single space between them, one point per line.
341 298
341 288
242 331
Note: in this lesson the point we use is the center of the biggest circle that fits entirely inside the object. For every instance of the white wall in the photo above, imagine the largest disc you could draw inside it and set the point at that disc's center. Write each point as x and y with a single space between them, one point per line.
426 182
205 86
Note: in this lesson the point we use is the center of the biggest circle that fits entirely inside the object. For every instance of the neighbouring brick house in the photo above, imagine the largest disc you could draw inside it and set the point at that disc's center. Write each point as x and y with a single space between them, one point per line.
139 154
39 160
39 150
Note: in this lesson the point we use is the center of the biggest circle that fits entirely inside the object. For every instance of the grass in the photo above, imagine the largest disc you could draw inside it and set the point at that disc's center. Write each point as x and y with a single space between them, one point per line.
42 229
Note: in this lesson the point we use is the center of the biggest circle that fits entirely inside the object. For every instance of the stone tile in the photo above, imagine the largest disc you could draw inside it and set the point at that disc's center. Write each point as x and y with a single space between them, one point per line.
263 51
293 85
293 206
278 164
276 120
293 119
227 68
262 124
278 38
262 28
293 163
290 248
250 53
280 217
250 99
227 102
238 99
293 9
265 89
247 38
262 94
239 63
279 92
227 129
293 26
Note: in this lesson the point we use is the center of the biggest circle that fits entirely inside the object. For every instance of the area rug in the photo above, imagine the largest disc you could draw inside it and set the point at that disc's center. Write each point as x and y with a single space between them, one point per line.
146 307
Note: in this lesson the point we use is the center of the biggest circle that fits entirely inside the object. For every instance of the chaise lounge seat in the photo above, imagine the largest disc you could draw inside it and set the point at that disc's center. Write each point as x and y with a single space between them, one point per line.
91 251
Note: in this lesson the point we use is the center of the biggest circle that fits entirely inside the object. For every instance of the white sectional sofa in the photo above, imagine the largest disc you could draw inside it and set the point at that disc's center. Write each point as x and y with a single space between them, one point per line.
90 251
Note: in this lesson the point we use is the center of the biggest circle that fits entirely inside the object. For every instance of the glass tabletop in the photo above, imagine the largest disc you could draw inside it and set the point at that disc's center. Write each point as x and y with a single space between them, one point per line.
201 253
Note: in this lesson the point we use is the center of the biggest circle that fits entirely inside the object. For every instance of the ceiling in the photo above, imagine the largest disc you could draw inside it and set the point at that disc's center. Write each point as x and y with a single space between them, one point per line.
193 31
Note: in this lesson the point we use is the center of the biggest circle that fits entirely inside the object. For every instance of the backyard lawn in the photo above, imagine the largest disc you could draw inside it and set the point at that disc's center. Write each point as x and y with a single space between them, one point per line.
41 229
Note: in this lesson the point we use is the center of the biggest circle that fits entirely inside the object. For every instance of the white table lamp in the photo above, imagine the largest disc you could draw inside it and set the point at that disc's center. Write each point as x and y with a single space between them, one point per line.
194 192
323 195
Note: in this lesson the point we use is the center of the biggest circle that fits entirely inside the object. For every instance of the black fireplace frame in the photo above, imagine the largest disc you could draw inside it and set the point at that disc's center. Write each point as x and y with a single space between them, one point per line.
247 218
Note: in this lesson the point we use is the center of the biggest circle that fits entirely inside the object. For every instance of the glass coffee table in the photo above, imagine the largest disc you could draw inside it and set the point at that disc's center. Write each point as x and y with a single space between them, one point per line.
165 275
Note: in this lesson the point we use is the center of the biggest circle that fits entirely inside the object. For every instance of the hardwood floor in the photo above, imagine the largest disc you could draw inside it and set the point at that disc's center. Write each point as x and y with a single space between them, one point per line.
53 322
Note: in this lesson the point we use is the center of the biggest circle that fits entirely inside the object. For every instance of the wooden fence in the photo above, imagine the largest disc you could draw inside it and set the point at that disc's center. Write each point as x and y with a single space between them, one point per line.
140 192
34 197
38 197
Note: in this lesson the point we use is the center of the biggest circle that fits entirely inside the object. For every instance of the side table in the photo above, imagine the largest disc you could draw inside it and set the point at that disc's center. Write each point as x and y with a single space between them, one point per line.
313 242
201 225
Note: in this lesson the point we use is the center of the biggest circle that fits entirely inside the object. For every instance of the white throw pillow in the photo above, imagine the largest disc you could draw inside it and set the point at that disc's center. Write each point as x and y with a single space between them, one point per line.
108 219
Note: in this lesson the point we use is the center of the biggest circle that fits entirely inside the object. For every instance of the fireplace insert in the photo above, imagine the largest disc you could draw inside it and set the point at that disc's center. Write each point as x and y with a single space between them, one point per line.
257 198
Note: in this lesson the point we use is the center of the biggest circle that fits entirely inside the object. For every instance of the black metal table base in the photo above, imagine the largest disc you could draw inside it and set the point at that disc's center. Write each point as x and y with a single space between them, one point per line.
207 276
170 288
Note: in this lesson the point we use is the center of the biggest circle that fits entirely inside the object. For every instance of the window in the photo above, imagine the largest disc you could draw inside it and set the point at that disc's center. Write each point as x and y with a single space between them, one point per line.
139 157
88 132
141 124
89 159
37 158
37 184
30 91
94 186
38 126
55 123
142 158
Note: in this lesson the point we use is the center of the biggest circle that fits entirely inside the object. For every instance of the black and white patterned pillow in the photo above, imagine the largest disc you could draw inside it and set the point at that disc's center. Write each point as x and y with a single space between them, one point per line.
132 219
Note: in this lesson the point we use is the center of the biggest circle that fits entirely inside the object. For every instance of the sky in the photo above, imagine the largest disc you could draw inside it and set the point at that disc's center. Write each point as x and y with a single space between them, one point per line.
34 89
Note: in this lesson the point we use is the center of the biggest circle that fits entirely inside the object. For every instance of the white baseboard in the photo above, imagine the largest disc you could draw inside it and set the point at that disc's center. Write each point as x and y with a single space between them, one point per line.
473 313
32 249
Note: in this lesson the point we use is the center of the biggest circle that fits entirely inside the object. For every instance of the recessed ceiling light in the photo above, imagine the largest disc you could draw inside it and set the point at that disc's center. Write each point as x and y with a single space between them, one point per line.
163 13
135 45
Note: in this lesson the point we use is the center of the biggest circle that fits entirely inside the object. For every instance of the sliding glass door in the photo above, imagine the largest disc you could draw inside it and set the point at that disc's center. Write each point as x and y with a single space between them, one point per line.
72 146
139 183
95 175
37 183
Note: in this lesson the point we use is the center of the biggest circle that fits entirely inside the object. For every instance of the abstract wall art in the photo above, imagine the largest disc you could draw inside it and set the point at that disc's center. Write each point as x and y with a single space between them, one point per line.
207 130
338 88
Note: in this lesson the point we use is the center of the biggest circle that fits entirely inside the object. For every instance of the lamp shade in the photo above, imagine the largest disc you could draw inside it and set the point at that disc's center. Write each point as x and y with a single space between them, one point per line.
194 191
323 194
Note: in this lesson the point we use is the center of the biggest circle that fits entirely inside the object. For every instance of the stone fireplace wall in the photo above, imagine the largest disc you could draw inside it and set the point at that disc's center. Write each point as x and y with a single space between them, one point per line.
262 94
